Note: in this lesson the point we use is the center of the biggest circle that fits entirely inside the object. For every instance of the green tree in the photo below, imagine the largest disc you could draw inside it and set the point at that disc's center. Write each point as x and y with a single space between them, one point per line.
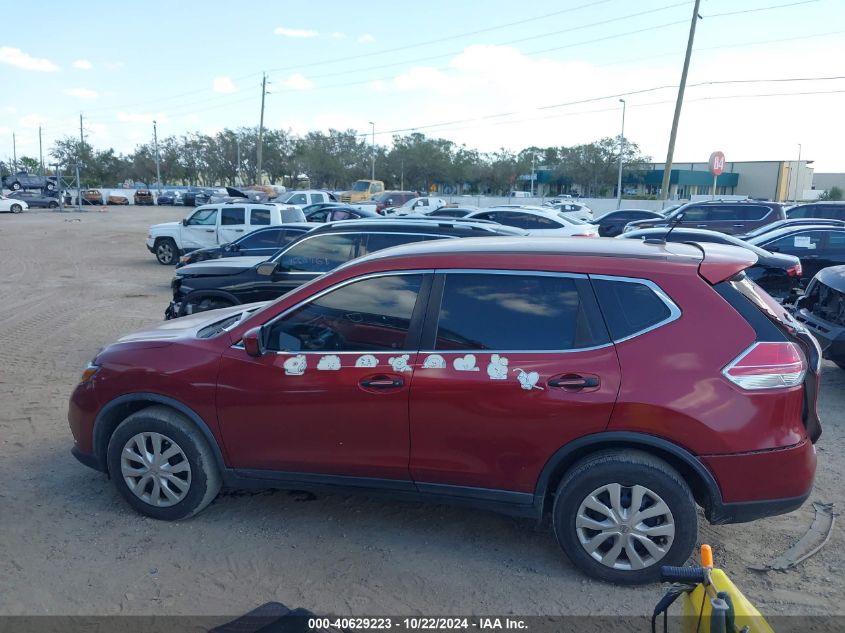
29 164
834 193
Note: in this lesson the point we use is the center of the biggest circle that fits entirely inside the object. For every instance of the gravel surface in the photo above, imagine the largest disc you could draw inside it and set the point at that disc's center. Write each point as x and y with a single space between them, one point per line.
73 282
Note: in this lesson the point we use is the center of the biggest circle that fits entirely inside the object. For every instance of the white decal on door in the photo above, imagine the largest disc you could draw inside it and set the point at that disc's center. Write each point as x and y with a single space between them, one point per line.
399 363
329 363
527 380
435 361
295 365
498 367
367 360
465 363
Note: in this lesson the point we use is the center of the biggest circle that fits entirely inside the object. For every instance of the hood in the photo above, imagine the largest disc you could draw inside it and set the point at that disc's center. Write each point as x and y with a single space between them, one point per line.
833 277
166 225
169 331
224 266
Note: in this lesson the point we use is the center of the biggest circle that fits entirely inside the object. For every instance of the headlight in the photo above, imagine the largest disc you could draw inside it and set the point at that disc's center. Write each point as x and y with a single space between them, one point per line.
89 372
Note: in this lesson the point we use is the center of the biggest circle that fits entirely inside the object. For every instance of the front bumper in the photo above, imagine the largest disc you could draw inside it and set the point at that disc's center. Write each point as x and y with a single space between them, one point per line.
831 337
150 244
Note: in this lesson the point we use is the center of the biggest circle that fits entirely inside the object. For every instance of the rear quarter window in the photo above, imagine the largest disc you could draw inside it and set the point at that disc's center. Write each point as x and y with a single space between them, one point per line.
632 306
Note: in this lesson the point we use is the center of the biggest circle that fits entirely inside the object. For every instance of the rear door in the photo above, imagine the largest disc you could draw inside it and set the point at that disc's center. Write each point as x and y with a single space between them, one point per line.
513 365
232 224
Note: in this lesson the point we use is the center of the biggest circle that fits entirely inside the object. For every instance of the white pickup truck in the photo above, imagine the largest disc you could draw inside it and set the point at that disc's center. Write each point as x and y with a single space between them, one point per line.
213 224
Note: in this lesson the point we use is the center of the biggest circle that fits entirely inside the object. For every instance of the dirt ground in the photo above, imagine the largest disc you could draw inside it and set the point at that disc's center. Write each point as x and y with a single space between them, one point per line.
73 282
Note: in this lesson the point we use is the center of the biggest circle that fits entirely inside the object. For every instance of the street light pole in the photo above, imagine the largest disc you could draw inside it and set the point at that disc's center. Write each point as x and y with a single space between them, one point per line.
797 175
621 153
158 171
373 176
238 174
533 171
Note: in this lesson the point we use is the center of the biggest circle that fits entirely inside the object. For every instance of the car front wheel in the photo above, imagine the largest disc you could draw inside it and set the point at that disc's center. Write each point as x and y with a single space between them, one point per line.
15 186
620 515
53 205
166 251
162 464
16 208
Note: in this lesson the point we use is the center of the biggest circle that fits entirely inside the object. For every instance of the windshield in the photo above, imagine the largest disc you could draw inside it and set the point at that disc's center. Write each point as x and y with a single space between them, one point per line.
361 185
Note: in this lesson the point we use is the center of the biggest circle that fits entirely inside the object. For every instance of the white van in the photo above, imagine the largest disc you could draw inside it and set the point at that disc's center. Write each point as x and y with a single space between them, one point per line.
213 224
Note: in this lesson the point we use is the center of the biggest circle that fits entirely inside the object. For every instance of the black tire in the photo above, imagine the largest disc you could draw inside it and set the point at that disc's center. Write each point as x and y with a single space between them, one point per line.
16 208
166 251
15 186
630 468
53 205
200 483
50 186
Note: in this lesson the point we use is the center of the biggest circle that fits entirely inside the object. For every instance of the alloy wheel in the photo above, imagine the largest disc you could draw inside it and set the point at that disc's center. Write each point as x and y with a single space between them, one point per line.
155 469
625 527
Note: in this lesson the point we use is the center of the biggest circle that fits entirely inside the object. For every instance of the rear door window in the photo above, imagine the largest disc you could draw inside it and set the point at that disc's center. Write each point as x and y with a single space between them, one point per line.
632 306
233 216
378 241
259 217
798 243
262 239
522 312
321 253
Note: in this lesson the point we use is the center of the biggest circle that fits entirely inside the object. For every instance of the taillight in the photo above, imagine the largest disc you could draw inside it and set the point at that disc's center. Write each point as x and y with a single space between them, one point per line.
767 366
584 235
794 271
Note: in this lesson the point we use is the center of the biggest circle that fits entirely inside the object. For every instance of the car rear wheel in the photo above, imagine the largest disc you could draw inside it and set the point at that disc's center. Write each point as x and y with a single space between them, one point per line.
162 464
16 208
50 186
53 205
620 515
166 251
15 186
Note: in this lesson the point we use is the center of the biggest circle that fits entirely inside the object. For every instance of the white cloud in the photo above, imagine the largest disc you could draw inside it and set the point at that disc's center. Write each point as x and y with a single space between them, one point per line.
378 86
224 85
11 110
82 64
299 82
286 32
338 35
114 65
366 38
81 93
17 58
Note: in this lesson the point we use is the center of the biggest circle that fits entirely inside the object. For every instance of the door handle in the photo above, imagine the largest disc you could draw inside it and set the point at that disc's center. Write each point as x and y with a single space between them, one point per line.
574 382
738 226
382 382
238 230
701 226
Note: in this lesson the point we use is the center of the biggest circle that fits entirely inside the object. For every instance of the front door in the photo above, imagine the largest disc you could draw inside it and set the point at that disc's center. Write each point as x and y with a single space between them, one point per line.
331 394
200 230
513 366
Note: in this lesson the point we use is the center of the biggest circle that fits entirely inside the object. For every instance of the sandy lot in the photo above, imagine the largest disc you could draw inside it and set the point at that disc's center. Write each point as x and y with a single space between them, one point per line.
73 282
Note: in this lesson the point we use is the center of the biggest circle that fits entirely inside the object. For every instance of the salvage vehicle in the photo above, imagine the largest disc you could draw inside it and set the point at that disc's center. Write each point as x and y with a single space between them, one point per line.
822 310
92 196
735 217
361 190
817 246
611 385
36 199
143 197
386 200
117 199
25 180
225 282
265 242
537 221
12 205
778 274
212 225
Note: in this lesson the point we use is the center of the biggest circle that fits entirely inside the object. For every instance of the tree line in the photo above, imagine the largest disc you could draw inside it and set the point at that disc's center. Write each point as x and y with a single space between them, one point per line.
334 160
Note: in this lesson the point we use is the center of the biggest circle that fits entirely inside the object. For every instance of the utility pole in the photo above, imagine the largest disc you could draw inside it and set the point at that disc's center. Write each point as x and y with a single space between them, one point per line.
158 171
402 177
533 170
238 174
797 176
261 126
78 159
667 169
14 155
373 176
40 154
621 153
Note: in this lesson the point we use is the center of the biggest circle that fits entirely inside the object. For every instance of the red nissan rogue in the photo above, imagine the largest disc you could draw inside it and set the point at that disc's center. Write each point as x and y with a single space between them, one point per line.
613 386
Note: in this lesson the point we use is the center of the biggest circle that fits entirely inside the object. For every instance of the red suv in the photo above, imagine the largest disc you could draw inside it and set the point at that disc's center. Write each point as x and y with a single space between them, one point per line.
611 385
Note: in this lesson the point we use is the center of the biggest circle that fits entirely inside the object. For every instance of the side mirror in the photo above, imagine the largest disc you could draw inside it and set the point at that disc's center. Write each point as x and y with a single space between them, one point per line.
231 248
184 221
253 342
266 269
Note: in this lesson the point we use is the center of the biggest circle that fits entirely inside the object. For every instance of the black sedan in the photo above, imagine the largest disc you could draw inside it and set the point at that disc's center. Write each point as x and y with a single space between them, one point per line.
822 310
266 241
789 223
777 273
340 212
36 199
196 196
817 246
611 224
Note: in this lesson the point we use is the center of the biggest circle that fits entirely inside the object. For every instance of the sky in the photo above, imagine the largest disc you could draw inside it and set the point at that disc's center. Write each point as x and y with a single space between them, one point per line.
488 74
